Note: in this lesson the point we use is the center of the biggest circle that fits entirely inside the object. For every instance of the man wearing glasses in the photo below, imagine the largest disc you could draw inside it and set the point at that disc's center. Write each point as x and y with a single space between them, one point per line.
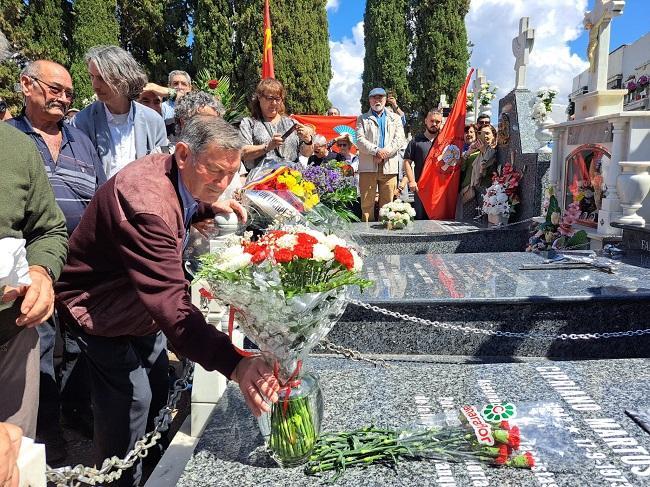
482 121
74 171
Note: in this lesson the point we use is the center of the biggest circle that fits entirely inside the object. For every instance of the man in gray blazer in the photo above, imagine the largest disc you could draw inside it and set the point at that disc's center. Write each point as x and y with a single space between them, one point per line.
121 129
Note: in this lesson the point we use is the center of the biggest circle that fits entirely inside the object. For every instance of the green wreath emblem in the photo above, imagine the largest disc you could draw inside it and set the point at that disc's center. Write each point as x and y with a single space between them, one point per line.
494 413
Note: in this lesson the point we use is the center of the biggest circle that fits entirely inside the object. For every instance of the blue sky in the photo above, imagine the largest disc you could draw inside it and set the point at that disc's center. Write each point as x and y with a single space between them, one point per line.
634 23
558 55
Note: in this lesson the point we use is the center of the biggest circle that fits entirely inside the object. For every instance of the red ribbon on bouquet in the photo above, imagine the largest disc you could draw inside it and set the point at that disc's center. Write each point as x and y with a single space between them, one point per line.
292 382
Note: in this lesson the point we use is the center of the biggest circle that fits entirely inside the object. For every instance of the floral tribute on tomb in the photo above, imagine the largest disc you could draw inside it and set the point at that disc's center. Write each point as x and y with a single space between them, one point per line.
502 197
396 214
288 287
543 107
334 184
557 231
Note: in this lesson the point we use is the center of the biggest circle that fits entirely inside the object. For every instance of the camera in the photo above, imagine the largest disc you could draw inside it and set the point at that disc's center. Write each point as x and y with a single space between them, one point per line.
3 106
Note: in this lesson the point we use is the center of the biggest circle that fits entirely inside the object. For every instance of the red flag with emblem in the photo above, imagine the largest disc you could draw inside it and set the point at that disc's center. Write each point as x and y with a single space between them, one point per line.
330 127
267 51
440 179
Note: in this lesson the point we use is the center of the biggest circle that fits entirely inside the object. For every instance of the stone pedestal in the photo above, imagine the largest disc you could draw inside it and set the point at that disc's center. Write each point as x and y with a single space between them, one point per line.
602 102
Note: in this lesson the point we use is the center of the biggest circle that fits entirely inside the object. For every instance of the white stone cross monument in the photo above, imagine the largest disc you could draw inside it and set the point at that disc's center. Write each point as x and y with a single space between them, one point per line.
479 80
521 47
599 100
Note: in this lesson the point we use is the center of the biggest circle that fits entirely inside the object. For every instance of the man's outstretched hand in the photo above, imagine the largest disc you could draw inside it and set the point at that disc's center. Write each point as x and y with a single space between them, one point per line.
38 304
257 383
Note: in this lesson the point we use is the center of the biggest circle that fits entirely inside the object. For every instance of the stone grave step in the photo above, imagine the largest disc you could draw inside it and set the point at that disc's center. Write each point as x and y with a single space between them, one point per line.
490 292
635 238
442 237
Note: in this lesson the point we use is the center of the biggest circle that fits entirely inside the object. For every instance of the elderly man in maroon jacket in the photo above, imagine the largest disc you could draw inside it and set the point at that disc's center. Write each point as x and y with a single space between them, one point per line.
124 290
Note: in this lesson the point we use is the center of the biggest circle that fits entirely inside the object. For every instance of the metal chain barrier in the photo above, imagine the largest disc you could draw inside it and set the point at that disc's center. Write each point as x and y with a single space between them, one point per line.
113 467
499 333
351 354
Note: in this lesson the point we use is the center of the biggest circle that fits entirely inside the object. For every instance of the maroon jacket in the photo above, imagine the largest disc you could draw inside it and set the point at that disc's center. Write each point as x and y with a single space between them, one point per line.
124 274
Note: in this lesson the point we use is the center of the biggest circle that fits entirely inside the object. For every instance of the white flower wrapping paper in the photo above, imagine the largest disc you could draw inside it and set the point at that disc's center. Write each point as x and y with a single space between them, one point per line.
285 330
14 269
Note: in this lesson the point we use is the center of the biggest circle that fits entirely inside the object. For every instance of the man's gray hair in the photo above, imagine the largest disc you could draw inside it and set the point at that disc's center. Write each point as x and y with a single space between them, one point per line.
119 70
178 72
319 139
190 104
31 70
200 131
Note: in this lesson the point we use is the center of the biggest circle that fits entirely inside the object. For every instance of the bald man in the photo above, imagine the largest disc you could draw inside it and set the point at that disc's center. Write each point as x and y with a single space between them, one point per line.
74 171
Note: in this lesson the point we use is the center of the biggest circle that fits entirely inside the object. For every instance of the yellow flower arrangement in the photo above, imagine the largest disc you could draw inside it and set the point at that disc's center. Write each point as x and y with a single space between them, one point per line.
306 190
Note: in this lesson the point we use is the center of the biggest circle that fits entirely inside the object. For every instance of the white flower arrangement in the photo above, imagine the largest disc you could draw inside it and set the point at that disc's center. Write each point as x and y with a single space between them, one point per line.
544 104
487 94
496 201
397 214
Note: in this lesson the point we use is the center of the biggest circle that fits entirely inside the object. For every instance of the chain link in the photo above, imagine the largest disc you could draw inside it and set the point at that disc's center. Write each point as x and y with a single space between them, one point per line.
351 354
113 467
499 333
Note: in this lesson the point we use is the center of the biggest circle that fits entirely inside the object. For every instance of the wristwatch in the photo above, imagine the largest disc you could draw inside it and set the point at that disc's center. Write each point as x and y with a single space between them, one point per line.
49 272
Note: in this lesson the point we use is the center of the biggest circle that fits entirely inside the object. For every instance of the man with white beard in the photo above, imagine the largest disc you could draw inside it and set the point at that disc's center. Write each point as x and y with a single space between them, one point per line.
380 135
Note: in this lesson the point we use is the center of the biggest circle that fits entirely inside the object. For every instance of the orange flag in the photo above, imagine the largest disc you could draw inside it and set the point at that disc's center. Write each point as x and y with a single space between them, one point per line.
267 51
329 127
440 179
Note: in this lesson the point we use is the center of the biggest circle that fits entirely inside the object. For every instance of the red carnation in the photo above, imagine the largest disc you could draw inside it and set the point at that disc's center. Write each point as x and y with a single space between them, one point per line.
344 257
213 83
205 293
283 255
303 251
503 455
306 239
504 425
259 252
515 437
529 459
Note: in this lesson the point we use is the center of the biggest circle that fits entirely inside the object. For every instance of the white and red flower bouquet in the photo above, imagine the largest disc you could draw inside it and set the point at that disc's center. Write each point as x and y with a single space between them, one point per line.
288 287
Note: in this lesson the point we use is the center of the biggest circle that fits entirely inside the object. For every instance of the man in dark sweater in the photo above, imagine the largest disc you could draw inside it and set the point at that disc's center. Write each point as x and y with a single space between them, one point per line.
28 211
123 285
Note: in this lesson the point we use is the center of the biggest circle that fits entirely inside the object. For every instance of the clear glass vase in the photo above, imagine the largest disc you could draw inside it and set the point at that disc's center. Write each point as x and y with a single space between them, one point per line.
291 428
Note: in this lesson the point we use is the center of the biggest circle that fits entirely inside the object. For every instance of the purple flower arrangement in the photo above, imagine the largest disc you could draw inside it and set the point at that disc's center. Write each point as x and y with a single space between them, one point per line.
631 85
643 80
335 187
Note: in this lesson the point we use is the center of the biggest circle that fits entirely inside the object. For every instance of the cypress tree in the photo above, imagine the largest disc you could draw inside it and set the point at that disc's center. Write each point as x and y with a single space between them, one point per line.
47 30
213 37
300 50
12 15
156 33
440 51
386 42
94 23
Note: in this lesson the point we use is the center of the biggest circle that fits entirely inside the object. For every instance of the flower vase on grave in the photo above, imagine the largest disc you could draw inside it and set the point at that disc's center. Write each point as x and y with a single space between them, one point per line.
544 135
497 220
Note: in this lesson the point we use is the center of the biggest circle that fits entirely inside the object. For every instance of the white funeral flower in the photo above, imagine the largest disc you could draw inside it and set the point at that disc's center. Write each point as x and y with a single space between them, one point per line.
411 212
358 262
391 215
322 253
233 258
287 241
332 241
320 236
502 197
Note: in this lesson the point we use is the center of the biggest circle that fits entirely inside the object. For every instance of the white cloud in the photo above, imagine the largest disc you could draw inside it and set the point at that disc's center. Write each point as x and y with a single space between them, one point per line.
332 5
492 24
347 68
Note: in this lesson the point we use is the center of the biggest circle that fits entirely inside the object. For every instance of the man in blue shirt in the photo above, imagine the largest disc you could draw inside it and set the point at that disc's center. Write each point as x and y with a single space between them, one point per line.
74 171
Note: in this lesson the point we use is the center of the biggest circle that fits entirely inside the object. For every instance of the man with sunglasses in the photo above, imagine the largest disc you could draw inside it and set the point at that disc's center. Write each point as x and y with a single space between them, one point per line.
74 171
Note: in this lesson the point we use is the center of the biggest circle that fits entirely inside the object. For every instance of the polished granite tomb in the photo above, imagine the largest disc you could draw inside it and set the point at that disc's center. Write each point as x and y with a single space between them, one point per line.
443 237
603 446
491 292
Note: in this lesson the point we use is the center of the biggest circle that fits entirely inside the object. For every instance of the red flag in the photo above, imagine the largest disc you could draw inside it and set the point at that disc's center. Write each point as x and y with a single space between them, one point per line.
325 125
440 178
267 51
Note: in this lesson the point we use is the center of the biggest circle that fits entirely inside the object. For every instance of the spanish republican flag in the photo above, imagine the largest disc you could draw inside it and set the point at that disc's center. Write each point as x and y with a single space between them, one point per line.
267 51
440 179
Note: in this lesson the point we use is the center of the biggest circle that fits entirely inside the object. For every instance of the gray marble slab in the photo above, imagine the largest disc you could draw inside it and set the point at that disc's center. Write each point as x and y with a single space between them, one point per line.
487 277
230 452
443 237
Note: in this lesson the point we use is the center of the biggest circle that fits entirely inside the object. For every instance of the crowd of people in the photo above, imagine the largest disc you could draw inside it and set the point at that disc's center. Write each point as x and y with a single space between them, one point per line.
105 197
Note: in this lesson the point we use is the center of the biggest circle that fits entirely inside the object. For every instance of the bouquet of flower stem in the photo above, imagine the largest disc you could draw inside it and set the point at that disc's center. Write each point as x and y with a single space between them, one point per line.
289 287
557 231
478 434
221 88
502 197
335 187
396 214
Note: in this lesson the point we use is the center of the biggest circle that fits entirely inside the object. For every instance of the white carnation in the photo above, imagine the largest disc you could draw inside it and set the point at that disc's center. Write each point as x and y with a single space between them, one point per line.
287 241
233 259
322 253
358 263
332 241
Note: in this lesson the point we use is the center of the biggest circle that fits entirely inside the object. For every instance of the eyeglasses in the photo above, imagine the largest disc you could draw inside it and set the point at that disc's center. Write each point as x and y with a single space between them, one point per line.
55 90
483 122
275 99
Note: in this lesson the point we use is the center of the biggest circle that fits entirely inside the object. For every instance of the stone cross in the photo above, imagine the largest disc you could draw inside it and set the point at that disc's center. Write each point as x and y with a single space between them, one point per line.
478 81
597 22
521 47
443 102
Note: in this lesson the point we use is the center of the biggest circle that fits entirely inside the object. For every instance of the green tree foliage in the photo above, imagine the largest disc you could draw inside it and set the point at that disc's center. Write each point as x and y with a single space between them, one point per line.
386 41
212 49
48 31
156 33
300 50
12 14
440 51
94 22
